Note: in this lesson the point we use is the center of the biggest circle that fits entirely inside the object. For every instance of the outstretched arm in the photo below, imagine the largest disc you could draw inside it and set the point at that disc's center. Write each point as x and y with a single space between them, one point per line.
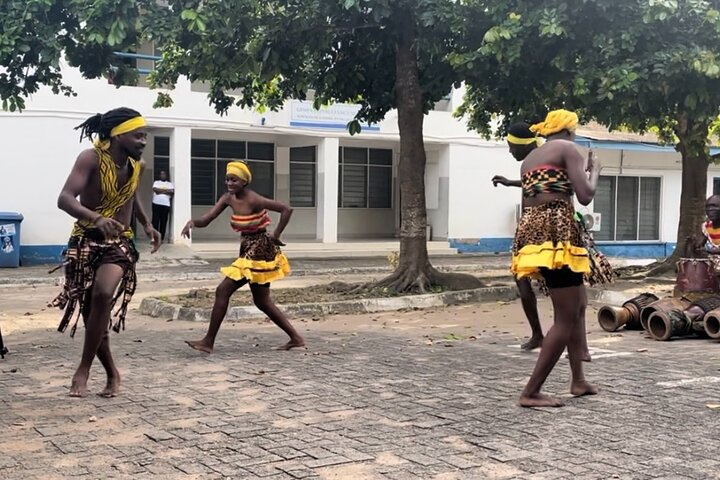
499 179
206 218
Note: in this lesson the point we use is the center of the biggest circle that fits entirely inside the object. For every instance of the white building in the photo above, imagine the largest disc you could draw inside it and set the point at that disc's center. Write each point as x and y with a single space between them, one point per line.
340 186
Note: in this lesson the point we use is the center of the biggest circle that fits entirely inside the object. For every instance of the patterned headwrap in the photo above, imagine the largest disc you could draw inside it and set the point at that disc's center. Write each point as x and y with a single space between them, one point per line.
240 169
556 121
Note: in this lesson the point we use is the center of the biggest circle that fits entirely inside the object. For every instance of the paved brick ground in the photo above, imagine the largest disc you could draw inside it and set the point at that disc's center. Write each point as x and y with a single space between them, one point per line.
366 405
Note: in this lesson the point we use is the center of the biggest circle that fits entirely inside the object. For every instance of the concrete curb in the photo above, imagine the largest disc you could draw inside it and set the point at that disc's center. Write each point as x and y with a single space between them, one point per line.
159 308
216 275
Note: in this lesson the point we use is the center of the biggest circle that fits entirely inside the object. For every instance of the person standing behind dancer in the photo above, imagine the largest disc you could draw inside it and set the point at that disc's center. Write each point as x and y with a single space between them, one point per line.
163 190
521 141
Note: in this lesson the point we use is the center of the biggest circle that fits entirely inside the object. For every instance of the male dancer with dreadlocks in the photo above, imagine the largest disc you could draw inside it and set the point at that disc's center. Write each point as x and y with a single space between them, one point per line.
100 193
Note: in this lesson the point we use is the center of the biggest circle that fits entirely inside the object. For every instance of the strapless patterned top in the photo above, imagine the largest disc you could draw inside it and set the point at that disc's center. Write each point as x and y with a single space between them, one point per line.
545 179
250 223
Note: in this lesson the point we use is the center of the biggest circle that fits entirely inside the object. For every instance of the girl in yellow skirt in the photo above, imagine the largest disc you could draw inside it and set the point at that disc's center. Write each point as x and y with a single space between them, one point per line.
549 244
260 261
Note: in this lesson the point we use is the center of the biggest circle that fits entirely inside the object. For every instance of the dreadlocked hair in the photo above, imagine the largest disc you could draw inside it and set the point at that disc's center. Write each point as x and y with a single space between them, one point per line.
102 124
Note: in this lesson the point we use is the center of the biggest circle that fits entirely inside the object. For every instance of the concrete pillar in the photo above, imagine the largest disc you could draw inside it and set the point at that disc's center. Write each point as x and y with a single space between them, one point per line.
180 140
282 174
327 190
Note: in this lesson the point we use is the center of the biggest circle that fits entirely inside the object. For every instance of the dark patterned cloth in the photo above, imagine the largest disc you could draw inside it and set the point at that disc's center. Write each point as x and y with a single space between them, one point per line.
83 256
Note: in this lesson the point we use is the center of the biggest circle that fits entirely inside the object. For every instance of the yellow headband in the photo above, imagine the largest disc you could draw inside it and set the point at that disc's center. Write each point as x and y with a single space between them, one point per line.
128 126
521 141
556 121
240 170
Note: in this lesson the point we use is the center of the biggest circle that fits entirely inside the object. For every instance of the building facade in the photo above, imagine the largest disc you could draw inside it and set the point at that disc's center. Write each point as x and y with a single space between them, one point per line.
341 187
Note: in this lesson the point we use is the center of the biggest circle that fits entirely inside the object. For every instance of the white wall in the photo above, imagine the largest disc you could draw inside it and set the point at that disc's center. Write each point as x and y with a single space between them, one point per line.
476 209
437 190
37 158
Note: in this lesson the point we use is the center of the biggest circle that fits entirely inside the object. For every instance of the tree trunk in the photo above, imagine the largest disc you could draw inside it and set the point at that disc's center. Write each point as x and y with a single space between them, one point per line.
414 271
693 148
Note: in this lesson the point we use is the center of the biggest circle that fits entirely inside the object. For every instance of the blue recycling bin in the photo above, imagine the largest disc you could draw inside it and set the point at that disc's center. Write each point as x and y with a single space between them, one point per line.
10 239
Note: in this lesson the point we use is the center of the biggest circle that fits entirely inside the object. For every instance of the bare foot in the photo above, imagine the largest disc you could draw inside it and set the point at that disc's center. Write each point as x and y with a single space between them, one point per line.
532 344
579 389
293 343
200 345
79 384
112 388
539 400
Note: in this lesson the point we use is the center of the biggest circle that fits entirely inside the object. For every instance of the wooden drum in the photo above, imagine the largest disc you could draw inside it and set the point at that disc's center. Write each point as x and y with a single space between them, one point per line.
696 275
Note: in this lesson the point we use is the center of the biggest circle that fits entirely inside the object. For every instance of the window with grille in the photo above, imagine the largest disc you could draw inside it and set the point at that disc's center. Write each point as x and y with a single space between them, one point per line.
630 208
365 178
209 158
161 156
303 172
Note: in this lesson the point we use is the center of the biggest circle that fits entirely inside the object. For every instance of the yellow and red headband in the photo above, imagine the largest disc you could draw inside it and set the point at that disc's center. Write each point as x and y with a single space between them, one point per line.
128 126
240 170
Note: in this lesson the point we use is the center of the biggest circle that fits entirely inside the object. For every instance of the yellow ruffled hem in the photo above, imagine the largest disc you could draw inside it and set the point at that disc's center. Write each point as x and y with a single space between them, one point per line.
258 271
531 258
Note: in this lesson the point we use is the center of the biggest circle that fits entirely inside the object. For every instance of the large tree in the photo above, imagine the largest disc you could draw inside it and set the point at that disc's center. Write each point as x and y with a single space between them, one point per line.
634 64
380 54
36 35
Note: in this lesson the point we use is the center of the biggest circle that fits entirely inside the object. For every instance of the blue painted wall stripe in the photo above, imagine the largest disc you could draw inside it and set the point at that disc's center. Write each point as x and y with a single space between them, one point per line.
40 254
611 249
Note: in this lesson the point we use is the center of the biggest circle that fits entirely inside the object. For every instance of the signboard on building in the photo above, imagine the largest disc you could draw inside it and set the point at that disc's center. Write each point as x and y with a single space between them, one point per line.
336 116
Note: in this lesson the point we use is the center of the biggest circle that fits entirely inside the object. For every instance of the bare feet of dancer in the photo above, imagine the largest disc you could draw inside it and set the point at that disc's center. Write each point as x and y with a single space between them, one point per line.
539 400
201 345
293 343
112 388
579 389
532 344
79 384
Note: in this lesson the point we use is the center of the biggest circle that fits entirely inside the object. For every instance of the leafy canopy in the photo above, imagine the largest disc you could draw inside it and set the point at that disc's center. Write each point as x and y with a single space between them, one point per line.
626 63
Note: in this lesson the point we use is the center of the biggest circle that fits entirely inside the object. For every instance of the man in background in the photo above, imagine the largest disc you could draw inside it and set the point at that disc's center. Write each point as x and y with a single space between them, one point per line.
163 191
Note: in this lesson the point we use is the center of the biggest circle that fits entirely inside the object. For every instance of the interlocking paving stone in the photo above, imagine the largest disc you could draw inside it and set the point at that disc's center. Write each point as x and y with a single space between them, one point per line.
386 405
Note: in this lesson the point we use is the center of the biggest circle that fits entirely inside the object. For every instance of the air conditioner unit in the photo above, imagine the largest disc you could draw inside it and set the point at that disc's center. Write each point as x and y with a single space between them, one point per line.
593 221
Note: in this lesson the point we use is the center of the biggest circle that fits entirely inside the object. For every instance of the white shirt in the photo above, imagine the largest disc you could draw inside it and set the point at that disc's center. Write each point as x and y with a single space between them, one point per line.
162 198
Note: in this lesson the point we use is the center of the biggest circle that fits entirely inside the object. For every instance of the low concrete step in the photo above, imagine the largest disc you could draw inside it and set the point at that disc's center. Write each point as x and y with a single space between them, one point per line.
323 250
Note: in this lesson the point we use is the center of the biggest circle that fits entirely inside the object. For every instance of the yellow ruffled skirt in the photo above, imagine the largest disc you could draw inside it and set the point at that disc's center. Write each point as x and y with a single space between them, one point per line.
548 237
260 260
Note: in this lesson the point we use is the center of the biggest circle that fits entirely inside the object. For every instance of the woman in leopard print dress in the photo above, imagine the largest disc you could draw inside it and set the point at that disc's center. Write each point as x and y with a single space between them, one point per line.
549 244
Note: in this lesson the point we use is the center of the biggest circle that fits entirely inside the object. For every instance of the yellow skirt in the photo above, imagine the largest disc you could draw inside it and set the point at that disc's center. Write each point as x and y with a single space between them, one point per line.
548 237
260 261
